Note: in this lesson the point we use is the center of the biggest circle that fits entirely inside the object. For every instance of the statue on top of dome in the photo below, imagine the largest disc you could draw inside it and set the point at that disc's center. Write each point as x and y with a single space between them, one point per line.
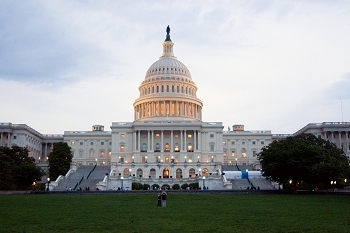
168 30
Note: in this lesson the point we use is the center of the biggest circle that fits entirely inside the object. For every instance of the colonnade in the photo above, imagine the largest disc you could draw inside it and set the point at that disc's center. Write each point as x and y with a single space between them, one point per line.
183 134
8 143
343 138
167 108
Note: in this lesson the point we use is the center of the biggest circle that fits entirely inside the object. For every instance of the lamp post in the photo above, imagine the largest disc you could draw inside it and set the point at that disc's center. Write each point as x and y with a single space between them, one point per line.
48 183
334 183
236 161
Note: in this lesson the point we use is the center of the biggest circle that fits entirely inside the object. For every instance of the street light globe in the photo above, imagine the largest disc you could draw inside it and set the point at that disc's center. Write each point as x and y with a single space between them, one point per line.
48 178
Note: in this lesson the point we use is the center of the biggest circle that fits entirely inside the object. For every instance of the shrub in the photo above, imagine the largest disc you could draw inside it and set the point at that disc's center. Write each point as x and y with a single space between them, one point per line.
146 186
184 186
176 186
155 186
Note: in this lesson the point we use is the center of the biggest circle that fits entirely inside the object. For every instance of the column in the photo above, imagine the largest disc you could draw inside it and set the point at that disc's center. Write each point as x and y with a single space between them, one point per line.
194 139
185 144
170 110
45 150
332 137
199 140
176 108
152 140
135 148
325 135
347 140
162 142
164 108
139 140
148 140
171 141
2 136
9 140
158 108
181 147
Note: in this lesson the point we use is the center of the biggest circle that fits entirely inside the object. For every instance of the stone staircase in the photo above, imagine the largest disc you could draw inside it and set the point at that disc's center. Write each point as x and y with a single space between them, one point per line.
96 175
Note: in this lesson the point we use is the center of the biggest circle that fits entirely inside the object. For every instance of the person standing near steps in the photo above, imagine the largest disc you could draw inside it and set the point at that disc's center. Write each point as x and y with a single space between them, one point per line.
159 199
164 194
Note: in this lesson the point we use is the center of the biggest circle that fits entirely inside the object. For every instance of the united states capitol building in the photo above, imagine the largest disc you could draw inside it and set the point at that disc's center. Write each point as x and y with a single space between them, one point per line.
167 142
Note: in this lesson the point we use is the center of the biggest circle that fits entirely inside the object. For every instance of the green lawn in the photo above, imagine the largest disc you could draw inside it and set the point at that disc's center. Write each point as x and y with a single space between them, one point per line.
184 213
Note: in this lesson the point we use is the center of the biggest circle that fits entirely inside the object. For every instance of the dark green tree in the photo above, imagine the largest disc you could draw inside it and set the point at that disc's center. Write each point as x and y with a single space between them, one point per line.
18 170
59 160
305 160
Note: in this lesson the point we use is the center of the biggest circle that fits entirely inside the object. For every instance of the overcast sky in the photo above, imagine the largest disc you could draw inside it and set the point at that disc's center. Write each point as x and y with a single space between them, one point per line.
270 65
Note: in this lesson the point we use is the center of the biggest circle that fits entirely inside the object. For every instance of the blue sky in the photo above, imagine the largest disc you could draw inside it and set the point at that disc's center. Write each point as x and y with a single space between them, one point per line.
270 65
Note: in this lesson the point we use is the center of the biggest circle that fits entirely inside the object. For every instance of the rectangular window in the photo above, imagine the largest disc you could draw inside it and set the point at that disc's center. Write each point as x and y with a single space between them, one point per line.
122 136
122 148
254 153
110 143
73 143
233 142
253 142
244 154
81 143
102 143
14 137
80 154
233 154
211 135
262 142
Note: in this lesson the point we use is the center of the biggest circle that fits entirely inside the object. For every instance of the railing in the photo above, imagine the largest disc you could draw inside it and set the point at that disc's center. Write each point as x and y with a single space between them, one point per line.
68 173
91 171
78 183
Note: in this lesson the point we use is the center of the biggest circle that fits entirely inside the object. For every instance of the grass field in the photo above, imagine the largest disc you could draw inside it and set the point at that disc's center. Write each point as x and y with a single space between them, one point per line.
184 213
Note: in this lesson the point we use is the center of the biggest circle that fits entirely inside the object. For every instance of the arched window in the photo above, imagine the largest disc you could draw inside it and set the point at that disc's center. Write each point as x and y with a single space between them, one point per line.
244 152
152 173
165 173
205 172
157 89
172 89
178 173
178 89
91 153
162 88
102 154
167 88
126 173
139 173
167 148
212 146
122 148
152 89
192 173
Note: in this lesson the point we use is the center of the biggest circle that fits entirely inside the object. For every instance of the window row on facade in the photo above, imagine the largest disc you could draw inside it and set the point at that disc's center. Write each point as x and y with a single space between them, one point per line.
168 88
163 173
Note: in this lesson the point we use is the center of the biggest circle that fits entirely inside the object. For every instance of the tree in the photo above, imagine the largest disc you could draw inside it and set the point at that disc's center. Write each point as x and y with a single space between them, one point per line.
59 160
305 161
18 170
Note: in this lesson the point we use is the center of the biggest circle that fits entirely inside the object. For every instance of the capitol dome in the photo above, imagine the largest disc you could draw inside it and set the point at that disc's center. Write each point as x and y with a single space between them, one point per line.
168 92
